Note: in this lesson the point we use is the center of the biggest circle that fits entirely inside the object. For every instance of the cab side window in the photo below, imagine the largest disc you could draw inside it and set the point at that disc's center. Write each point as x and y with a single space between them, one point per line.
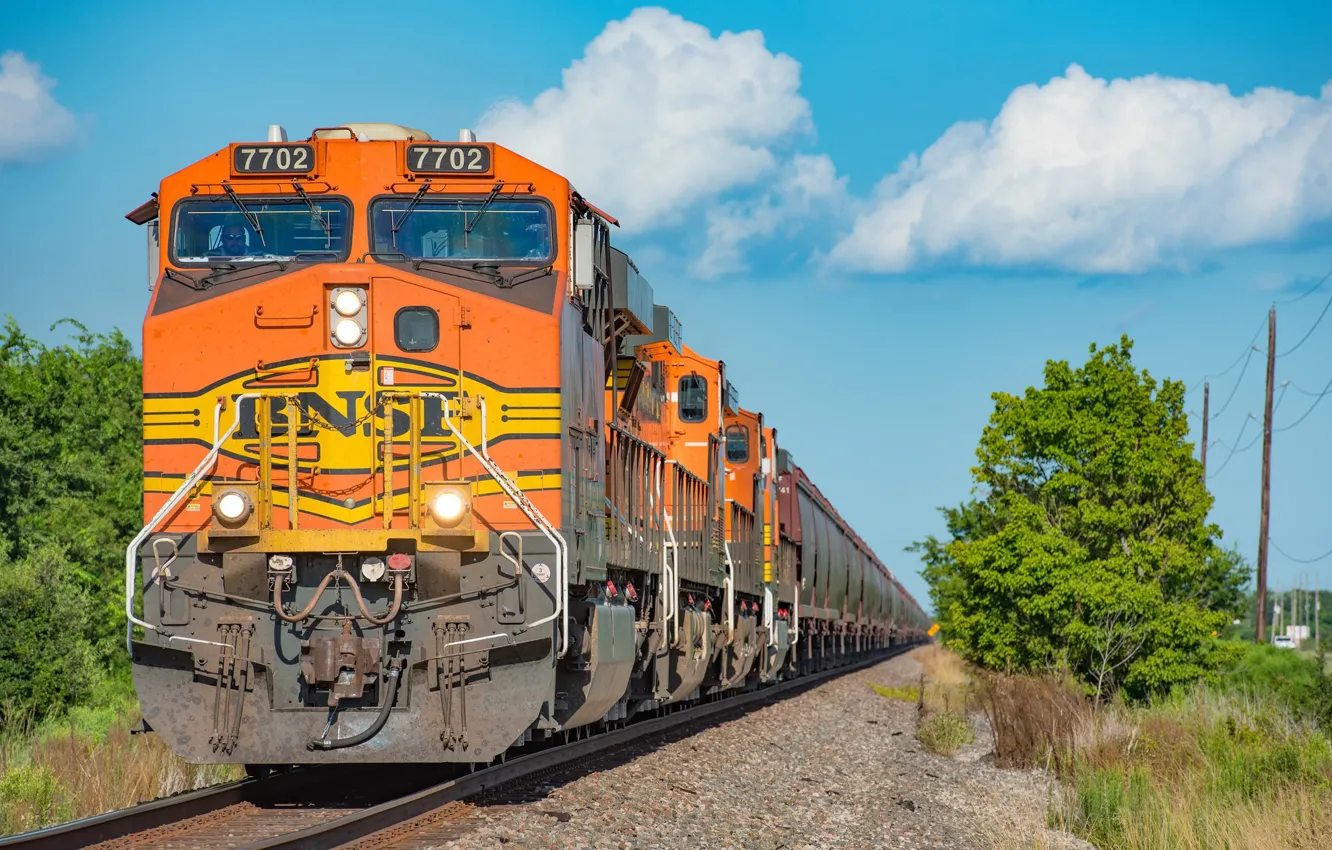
416 329
693 398
737 444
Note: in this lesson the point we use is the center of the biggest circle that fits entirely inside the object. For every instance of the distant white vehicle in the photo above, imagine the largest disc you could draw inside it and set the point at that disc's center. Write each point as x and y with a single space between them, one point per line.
1284 642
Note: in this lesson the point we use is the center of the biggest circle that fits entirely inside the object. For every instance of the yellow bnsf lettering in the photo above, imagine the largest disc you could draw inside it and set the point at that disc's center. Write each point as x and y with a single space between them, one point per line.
351 411
344 421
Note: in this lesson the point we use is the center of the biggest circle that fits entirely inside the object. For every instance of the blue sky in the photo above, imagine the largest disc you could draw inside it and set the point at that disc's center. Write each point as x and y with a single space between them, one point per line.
877 214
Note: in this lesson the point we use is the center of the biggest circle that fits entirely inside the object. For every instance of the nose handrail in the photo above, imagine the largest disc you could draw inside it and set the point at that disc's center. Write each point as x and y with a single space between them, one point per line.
131 551
384 463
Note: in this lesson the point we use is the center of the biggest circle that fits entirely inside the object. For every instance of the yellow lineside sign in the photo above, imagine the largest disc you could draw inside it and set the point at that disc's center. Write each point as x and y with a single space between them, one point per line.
933 629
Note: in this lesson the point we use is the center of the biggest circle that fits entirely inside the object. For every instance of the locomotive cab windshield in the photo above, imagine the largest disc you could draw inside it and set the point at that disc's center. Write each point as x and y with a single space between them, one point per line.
212 230
476 228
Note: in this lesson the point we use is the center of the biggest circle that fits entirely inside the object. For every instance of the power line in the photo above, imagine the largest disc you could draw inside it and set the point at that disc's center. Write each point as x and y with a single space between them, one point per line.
1223 444
1275 407
1302 390
1220 442
1300 560
1327 390
1308 292
1237 448
1250 349
1311 330
1248 352
1235 451
1238 381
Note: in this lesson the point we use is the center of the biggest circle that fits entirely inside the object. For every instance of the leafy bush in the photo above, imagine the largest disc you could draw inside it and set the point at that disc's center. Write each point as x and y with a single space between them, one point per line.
71 431
1288 678
30 798
47 661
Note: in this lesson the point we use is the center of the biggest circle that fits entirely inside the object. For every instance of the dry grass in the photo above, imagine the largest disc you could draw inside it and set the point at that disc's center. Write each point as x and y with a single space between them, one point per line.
943 667
943 698
1040 722
1003 836
946 684
55 775
1289 819
1205 770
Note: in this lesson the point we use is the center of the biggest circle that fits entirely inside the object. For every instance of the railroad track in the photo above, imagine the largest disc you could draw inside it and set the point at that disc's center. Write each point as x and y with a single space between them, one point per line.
369 806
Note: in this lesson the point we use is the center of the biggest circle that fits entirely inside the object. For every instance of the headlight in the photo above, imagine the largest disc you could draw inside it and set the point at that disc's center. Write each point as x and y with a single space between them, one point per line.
232 506
448 507
348 302
348 332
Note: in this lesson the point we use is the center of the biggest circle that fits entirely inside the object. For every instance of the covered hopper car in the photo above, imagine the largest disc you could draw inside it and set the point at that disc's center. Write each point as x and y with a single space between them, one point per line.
429 475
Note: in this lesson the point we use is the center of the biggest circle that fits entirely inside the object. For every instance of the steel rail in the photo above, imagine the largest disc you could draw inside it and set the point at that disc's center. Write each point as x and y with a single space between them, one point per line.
120 823
123 823
354 827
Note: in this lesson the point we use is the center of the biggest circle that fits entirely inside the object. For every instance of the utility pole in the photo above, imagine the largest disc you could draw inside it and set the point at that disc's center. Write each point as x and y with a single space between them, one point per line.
1206 391
1267 477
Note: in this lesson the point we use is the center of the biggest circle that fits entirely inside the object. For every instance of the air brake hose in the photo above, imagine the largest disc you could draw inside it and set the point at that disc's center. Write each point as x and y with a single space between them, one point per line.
394 673
398 581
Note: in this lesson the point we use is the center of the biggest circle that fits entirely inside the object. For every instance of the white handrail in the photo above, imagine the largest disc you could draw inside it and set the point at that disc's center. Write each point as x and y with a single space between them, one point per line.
668 599
673 589
729 584
534 514
131 552
769 602
769 621
795 639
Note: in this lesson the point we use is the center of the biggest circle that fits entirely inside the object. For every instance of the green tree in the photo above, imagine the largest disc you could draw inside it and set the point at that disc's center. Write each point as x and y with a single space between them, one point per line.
47 661
1224 582
1088 545
71 455
971 520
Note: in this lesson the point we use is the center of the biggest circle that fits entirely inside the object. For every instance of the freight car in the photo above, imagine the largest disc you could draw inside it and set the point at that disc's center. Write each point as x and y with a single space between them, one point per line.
429 475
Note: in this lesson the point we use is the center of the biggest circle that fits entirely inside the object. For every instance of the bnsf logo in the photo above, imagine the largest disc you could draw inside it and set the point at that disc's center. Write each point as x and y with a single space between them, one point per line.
351 411
342 427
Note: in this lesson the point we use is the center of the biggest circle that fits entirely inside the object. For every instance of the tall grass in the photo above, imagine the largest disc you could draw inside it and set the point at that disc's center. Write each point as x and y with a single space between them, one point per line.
1206 768
88 763
942 699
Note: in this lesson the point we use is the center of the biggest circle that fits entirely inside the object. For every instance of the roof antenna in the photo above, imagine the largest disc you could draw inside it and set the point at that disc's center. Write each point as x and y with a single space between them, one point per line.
277 133
466 136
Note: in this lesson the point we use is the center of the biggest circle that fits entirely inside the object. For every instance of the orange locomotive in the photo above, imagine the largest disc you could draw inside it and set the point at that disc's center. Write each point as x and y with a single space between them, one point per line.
428 475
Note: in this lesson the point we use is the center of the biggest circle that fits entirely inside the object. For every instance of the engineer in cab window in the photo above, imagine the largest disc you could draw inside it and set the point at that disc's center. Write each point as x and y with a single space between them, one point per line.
232 243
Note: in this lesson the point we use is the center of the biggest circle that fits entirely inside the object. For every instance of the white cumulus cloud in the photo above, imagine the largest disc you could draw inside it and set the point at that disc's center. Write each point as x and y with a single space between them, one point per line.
659 115
31 121
809 184
1091 175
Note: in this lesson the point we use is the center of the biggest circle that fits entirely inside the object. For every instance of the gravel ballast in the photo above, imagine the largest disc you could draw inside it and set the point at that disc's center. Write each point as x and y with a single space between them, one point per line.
837 766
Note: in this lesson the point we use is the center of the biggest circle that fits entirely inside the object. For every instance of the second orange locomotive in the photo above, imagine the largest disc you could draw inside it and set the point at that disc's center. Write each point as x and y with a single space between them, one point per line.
429 475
